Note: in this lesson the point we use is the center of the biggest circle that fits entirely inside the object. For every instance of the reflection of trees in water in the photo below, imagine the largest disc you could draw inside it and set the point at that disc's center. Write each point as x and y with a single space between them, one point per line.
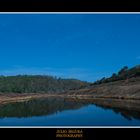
38 107
51 105
128 110
127 114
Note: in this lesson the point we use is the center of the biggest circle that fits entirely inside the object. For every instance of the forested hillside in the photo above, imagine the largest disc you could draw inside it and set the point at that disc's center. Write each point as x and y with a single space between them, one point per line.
37 84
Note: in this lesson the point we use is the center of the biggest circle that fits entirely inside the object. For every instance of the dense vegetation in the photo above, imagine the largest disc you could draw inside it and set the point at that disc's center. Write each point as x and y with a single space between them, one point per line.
37 84
124 74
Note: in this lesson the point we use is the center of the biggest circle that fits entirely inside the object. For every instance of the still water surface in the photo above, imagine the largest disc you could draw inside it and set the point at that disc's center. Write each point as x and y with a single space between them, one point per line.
62 112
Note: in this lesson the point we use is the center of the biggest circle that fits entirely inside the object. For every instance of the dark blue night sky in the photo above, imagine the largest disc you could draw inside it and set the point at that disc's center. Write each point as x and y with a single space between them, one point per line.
83 46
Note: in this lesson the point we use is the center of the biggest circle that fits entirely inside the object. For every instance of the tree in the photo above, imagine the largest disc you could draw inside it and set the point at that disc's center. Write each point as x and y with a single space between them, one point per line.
102 80
114 75
123 70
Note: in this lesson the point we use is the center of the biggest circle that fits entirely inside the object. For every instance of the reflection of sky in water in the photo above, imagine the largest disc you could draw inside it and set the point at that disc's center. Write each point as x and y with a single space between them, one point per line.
89 115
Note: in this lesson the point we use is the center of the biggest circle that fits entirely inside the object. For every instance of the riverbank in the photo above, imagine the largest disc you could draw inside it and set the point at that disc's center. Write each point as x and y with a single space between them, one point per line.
16 97
8 98
86 97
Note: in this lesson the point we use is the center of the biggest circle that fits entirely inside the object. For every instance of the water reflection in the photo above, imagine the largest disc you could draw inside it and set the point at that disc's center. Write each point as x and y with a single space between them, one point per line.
51 105
127 114
37 107
129 109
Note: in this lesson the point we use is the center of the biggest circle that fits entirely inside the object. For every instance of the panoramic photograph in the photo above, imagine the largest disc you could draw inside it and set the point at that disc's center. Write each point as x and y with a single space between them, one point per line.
69 69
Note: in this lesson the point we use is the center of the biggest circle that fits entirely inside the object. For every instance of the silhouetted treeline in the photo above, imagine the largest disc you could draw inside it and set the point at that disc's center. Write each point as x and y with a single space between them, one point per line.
124 74
37 84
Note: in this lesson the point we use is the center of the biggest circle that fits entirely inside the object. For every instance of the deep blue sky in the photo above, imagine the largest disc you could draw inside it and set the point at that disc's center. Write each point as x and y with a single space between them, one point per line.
83 46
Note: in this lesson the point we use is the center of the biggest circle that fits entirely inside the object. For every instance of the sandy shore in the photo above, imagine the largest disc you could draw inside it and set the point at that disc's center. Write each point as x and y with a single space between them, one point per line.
20 98
7 98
